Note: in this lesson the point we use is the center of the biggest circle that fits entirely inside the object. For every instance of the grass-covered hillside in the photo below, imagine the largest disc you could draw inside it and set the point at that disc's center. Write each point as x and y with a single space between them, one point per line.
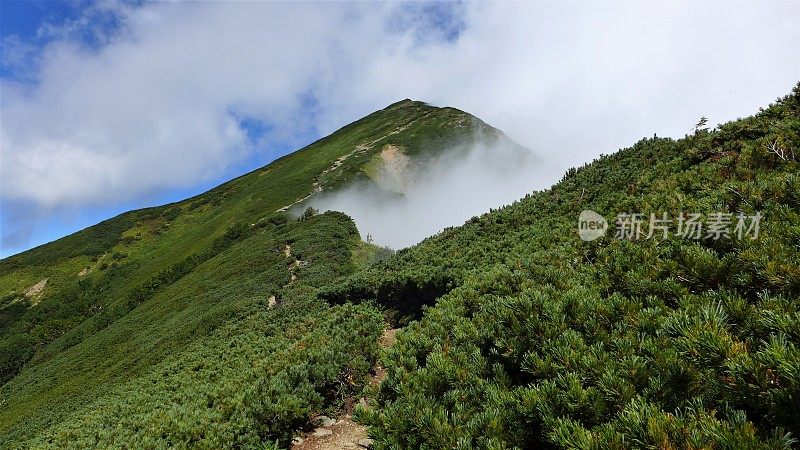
221 322
533 338
90 323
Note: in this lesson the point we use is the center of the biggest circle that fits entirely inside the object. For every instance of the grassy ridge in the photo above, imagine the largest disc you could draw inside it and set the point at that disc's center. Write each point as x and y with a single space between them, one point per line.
214 324
127 252
157 281
538 339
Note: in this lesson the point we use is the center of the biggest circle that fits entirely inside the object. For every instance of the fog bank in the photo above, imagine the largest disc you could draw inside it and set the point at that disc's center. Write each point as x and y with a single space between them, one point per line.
412 199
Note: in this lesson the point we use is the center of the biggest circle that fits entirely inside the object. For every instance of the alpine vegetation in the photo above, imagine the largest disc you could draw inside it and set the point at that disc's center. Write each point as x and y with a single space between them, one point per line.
225 321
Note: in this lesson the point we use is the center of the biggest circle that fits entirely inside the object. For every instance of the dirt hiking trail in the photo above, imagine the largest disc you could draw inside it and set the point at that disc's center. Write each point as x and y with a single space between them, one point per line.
343 433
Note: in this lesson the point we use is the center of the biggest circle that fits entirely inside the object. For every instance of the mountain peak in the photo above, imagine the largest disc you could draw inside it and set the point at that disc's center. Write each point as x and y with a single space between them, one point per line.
403 103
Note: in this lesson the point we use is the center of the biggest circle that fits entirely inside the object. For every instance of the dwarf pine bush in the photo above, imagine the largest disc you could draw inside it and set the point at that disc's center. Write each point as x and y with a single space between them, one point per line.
542 340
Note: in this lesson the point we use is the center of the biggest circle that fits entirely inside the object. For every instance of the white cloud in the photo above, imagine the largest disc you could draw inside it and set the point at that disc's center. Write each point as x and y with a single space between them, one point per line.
156 106
572 80
415 200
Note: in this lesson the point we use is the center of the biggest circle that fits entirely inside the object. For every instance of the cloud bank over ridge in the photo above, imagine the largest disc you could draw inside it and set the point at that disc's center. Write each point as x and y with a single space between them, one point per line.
412 199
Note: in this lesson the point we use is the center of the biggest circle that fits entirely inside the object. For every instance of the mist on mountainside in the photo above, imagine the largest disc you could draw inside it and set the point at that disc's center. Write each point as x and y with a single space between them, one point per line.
411 199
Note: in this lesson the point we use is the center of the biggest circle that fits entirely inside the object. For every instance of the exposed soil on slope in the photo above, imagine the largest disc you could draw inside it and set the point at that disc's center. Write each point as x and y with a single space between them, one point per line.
36 289
394 173
361 148
34 292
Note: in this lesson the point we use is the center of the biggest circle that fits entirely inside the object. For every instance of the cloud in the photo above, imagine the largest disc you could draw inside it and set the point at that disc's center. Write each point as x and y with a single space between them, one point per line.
413 199
572 80
157 108
158 96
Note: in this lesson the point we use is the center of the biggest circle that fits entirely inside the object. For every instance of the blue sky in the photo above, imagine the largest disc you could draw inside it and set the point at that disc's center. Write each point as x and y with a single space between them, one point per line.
23 18
114 105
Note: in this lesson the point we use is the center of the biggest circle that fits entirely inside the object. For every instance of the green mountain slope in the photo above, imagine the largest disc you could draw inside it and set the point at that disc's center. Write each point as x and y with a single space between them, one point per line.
226 324
131 294
539 339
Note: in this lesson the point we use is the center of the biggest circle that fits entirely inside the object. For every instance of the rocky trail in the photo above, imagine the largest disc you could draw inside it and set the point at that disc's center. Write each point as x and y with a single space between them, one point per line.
293 268
343 432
